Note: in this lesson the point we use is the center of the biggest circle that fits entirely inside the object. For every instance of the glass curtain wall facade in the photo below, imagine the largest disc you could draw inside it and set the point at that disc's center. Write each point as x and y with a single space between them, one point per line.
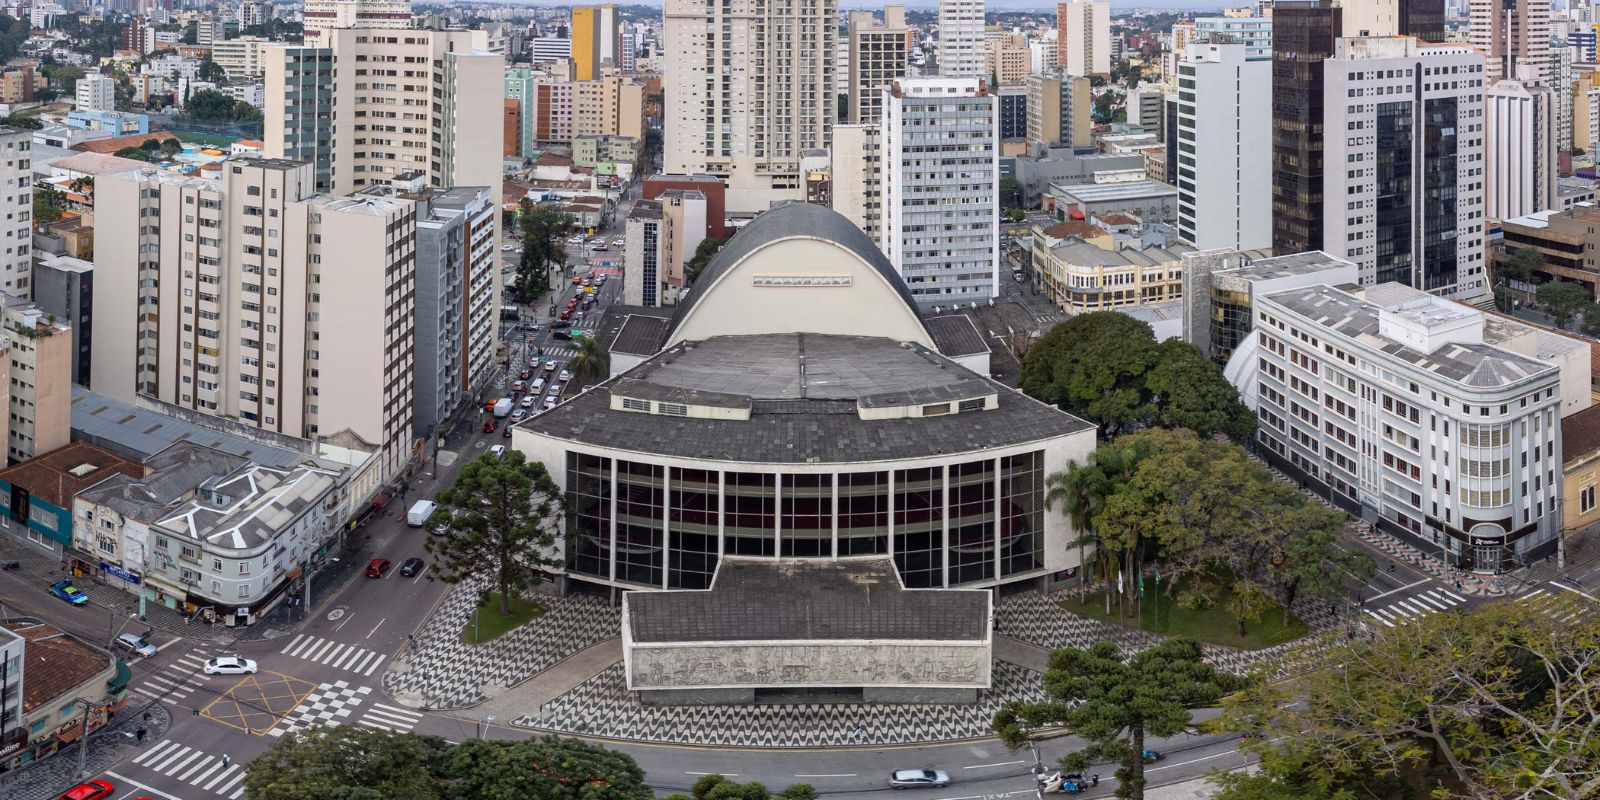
1439 196
1302 36
1396 137
964 523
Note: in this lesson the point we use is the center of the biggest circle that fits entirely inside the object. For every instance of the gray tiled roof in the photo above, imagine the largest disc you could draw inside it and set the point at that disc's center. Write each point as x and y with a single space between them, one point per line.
802 413
956 335
141 433
174 472
803 599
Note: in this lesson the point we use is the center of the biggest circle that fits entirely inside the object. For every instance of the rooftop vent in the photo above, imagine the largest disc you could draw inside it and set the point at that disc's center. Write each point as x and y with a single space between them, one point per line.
83 469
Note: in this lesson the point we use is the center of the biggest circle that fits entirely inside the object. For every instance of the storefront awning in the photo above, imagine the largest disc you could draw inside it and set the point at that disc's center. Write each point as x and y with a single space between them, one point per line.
120 681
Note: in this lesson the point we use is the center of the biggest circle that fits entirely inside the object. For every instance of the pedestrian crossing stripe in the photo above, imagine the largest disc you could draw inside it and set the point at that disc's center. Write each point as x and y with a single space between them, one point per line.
390 718
1400 611
334 654
178 680
1562 608
194 766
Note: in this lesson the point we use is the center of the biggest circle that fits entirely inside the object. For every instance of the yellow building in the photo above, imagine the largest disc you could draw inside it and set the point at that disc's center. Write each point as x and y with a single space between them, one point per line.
1082 267
1580 470
595 40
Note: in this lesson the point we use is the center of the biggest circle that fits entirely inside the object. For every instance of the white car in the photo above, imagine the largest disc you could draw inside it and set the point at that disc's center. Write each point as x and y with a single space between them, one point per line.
517 415
916 778
550 402
618 242
565 376
230 665
508 248
498 450
528 401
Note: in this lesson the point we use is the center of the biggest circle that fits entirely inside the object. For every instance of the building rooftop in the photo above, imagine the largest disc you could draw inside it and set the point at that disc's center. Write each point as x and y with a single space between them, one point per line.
1112 192
1580 434
174 473
637 333
803 392
1475 365
245 509
645 209
57 476
1574 185
764 599
1273 268
140 433
956 335
112 144
55 664
96 163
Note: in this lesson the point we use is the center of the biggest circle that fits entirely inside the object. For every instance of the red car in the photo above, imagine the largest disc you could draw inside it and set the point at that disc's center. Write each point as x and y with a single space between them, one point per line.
92 790
377 567
566 313
491 425
525 374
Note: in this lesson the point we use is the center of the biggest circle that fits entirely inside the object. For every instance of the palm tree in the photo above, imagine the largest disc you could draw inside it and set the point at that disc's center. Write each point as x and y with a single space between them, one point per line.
592 364
1081 490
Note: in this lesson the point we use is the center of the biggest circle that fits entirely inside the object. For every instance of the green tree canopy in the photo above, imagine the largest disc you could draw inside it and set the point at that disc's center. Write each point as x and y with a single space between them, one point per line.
500 516
703 253
1114 703
1010 192
591 364
544 233
1093 366
1524 261
47 204
719 787
209 104
550 768
1562 299
1190 392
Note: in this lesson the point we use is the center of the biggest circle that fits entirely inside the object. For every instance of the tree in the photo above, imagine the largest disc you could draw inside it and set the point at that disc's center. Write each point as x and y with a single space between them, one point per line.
1301 556
134 153
171 147
211 71
1521 266
719 787
66 78
591 364
500 516
1093 366
1081 491
1496 702
1189 391
549 768
544 231
1114 703
47 203
25 123
1562 299
1010 192
350 762
703 253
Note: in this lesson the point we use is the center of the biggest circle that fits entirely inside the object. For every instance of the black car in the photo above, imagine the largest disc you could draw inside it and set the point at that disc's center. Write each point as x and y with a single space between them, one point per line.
562 333
410 567
560 323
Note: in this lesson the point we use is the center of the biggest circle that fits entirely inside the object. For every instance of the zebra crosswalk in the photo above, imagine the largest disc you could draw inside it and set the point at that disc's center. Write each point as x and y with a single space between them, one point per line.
334 654
339 703
390 718
1416 606
1565 607
205 771
173 683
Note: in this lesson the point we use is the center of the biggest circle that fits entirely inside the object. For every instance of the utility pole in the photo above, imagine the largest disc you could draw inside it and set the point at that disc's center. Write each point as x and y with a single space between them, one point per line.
83 739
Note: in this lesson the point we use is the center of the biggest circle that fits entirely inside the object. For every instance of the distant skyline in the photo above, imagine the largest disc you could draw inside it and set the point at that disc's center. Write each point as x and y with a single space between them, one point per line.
928 5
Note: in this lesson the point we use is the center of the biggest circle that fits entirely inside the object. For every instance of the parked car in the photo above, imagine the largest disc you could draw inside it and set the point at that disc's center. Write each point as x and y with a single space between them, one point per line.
914 778
135 643
410 567
230 665
66 591
377 567
519 386
89 790
564 376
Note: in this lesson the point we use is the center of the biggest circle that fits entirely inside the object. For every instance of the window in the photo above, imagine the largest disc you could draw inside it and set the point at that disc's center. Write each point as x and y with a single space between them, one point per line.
1586 500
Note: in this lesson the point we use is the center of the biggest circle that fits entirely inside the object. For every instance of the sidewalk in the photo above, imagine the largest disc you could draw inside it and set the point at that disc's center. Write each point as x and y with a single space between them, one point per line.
45 780
529 698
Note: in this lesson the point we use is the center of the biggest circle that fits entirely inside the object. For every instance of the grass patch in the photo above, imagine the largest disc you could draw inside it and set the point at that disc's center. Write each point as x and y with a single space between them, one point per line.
486 624
1213 625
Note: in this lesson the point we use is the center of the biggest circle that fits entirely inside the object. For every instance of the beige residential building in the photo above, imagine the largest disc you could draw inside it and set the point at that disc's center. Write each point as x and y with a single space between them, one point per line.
749 90
323 16
1586 110
241 57
879 51
1082 267
1511 34
1008 64
1083 37
16 238
1058 112
39 362
612 106
856 173
211 295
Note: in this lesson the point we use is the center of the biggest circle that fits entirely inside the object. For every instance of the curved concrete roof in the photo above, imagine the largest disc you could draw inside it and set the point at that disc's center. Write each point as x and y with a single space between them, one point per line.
786 222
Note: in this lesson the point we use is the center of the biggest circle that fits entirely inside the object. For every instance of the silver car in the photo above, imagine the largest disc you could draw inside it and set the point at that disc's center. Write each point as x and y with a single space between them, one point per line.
135 643
230 665
914 778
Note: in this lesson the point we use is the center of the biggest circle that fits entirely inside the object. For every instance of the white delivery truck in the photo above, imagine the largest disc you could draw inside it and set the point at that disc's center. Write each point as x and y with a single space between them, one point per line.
419 513
502 407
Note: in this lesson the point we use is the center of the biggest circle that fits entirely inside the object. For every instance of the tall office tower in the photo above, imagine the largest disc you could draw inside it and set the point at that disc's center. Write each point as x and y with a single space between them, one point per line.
1303 32
1405 185
403 102
857 169
1058 112
941 188
210 295
879 53
1083 37
1520 147
596 40
1561 95
749 89
1224 148
1511 34
16 168
299 127
96 92
323 16
961 38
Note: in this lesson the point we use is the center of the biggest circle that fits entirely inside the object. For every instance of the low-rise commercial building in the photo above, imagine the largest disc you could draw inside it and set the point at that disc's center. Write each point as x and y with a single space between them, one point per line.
1081 268
590 150
1149 200
1564 240
41 491
68 687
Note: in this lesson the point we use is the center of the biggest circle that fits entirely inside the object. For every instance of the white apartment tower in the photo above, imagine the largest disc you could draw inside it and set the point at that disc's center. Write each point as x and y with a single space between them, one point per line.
211 296
879 54
1511 34
961 38
96 92
324 16
1224 147
1083 37
1521 147
749 89
941 188
1404 176
16 251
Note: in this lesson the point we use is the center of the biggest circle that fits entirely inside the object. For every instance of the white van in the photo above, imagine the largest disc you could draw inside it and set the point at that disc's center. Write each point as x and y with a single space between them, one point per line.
419 513
537 386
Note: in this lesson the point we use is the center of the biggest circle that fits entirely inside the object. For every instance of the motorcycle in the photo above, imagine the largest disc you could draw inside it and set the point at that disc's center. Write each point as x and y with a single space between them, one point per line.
1070 783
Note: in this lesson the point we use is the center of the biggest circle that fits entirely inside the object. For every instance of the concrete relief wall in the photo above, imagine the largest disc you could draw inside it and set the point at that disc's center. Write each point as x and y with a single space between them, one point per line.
833 664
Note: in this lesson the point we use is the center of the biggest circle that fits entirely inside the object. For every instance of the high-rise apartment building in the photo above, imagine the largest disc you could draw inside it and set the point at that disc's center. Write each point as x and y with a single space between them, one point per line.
323 16
596 40
16 249
96 92
611 106
961 38
857 172
879 54
941 188
210 296
1083 37
1520 146
1006 64
1255 33
1224 146
39 399
651 257
749 89
1511 34
388 103
1404 183
1058 112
